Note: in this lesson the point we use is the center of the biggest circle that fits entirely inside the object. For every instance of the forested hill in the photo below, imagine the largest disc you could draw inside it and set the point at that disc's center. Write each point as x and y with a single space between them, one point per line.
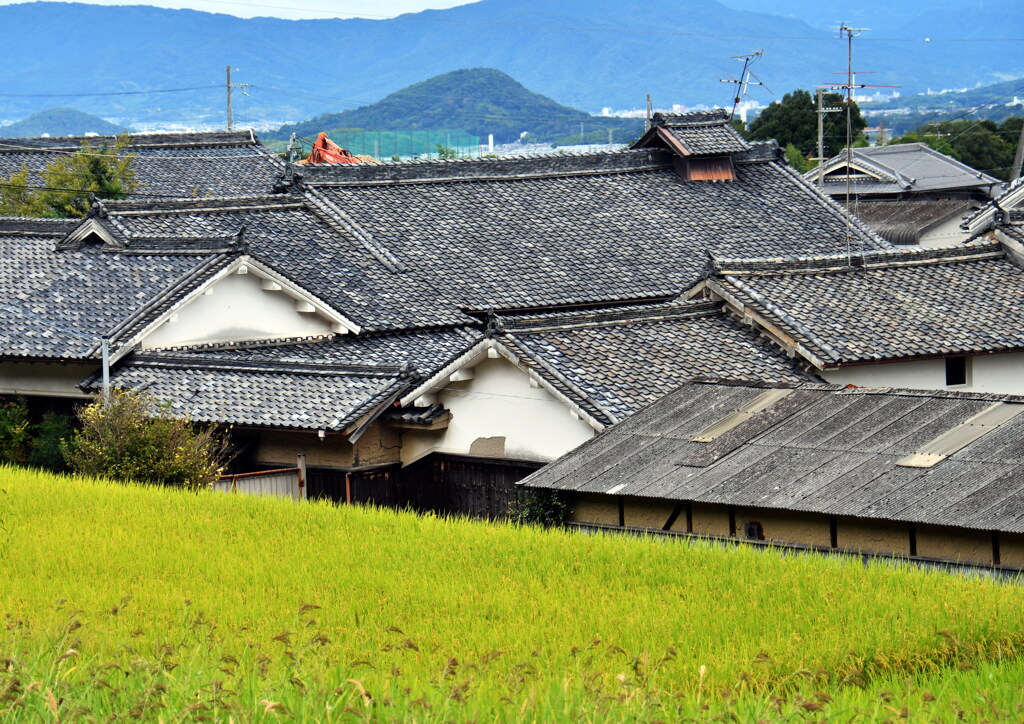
479 101
588 54
60 122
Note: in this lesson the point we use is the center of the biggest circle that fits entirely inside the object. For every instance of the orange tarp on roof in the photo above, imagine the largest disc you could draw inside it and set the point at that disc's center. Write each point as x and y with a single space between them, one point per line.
327 151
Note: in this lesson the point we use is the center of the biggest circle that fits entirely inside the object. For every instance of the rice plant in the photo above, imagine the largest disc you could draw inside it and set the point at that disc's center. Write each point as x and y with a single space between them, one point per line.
127 602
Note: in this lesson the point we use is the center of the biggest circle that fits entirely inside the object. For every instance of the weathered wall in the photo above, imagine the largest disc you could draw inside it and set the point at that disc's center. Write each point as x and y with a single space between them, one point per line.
955 544
595 508
998 373
879 536
1011 549
44 379
280 448
710 519
787 526
498 414
237 308
798 528
948 233
378 445
649 512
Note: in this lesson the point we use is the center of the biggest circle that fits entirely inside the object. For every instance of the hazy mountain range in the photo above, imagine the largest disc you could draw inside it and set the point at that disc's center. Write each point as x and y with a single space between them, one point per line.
586 54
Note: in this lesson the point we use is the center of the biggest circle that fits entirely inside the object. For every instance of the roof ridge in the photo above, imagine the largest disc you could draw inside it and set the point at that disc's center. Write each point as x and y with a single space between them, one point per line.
332 369
844 389
874 259
136 140
332 214
484 169
586 318
209 203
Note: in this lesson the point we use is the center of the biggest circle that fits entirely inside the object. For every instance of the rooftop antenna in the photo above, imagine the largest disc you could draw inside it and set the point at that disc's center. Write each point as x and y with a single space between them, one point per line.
744 81
845 31
229 86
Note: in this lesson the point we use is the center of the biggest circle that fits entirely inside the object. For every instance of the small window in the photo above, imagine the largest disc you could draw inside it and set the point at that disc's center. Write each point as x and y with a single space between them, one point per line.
753 530
956 371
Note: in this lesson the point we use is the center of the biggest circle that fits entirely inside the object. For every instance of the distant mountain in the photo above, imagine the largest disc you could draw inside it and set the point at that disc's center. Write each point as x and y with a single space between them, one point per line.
60 122
478 101
587 54
995 102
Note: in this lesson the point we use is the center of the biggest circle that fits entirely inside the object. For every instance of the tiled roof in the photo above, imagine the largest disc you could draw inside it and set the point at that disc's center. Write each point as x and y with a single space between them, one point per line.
58 304
700 134
906 167
823 449
560 231
624 359
263 394
184 165
305 242
887 305
420 352
325 385
904 221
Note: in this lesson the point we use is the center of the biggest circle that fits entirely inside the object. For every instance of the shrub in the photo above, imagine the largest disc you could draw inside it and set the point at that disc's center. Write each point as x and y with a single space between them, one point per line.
132 437
14 430
541 507
50 441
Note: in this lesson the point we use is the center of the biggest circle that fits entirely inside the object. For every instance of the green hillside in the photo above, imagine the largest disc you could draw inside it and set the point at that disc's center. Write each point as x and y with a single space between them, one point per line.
146 604
478 101
60 122
991 102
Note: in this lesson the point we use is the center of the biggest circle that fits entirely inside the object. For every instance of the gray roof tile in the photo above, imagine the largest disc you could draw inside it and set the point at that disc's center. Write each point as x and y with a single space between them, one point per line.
182 165
887 305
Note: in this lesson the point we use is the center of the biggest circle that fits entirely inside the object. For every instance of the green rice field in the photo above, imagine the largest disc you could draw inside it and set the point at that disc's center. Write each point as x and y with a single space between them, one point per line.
123 603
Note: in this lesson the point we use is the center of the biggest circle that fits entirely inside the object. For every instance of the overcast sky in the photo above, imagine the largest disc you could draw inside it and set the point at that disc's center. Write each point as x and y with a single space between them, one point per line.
293 9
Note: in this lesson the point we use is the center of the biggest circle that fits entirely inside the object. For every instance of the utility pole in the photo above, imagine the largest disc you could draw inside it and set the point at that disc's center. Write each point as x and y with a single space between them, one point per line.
291 149
821 135
229 86
647 123
1018 157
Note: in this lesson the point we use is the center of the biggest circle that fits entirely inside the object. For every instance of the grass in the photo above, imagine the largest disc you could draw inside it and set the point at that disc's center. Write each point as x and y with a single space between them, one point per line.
126 602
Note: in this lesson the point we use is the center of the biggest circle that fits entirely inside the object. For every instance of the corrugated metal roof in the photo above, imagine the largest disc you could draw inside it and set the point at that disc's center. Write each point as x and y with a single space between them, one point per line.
831 451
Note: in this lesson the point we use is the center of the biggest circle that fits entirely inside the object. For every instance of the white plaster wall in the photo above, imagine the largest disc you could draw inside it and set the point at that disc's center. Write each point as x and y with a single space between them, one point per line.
999 373
499 402
948 233
238 309
44 379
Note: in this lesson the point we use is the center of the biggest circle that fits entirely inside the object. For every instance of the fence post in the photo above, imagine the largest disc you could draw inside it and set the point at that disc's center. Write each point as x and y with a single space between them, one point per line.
301 464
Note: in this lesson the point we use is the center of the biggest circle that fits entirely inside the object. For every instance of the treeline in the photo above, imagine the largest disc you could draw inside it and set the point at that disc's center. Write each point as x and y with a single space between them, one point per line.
983 145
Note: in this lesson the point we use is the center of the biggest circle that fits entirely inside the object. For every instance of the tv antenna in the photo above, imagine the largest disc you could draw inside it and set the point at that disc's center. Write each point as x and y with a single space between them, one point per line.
744 81
845 31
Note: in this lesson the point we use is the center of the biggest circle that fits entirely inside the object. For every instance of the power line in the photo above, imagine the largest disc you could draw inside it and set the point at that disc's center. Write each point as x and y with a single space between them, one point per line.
109 93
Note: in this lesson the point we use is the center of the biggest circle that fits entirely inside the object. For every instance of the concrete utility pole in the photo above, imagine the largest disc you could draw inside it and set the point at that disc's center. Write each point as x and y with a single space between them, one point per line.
229 86
821 135
1018 157
647 123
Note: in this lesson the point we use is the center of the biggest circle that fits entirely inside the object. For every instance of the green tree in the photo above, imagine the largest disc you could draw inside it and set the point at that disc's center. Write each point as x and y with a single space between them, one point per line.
444 153
794 120
797 160
70 182
131 437
15 437
982 145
